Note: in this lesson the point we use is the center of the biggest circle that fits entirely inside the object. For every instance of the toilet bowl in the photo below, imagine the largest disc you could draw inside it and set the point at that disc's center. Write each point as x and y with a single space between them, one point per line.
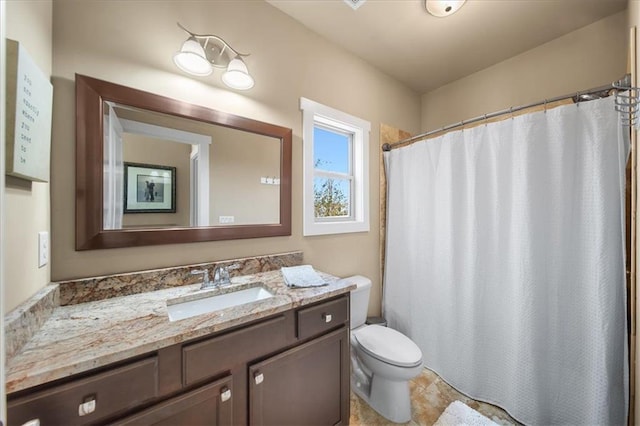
383 360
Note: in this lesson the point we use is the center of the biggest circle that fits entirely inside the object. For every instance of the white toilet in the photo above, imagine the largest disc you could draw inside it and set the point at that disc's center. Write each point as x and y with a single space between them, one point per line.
383 360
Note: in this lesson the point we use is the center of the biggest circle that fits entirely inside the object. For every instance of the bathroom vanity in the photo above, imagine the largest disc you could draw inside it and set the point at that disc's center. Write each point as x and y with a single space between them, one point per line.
284 360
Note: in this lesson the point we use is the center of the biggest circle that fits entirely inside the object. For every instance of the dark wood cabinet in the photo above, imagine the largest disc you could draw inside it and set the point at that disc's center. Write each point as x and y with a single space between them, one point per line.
320 318
209 405
302 356
212 356
89 399
306 385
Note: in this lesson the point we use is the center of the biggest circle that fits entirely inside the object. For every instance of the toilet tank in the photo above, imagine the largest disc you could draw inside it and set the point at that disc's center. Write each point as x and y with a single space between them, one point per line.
359 299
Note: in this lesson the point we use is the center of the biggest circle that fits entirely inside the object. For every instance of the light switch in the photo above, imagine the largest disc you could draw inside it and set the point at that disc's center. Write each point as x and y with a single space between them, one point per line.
43 248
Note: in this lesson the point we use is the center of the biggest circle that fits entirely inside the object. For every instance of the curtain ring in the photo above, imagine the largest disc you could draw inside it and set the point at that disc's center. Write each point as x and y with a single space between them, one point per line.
485 119
545 106
577 99
511 111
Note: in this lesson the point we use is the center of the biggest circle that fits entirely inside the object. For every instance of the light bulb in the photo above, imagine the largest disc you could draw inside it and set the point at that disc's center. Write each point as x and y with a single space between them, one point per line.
237 76
192 59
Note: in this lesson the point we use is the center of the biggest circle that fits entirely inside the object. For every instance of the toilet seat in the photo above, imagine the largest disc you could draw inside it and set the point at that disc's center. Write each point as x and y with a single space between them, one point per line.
388 345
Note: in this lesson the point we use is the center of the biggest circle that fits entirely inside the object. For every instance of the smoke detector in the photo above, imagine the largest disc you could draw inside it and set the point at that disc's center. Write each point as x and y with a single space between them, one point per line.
442 8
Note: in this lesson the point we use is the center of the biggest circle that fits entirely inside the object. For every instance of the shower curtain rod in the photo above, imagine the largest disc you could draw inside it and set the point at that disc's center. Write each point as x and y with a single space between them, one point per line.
626 105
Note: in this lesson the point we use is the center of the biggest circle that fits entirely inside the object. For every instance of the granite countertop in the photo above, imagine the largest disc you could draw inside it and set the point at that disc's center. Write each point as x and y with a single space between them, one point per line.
77 338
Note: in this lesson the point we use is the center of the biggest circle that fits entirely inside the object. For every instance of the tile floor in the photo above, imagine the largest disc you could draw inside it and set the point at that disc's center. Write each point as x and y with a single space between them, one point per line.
430 395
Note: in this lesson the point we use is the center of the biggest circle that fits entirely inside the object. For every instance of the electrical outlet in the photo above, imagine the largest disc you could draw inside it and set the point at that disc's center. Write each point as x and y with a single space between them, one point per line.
226 219
43 248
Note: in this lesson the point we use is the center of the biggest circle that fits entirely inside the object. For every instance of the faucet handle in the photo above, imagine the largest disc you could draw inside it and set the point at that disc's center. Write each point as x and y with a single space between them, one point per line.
205 274
224 274
221 275
232 267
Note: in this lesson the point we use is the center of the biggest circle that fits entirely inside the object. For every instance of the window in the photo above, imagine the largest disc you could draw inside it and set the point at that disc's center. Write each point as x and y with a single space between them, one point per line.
336 170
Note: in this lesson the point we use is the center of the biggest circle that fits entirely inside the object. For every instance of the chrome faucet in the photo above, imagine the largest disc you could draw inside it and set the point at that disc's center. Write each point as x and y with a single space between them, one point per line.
206 283
220 276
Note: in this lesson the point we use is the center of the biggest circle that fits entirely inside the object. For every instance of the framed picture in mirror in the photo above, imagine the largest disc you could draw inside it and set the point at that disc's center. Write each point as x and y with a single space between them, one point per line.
149 188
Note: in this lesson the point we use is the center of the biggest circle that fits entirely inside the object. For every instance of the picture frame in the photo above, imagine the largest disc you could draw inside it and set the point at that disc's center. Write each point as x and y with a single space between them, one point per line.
149 188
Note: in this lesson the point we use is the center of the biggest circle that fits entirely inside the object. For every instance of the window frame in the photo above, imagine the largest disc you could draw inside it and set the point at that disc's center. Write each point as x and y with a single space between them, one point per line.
314 113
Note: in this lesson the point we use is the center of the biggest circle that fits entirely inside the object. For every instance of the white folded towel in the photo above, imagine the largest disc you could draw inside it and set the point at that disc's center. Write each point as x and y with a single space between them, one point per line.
302 276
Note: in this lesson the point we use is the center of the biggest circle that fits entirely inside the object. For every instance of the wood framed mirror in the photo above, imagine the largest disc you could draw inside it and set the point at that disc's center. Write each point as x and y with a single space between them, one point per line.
239 195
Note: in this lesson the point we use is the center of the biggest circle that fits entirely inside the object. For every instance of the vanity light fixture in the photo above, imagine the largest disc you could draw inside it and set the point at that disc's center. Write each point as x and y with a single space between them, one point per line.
442 8
201 53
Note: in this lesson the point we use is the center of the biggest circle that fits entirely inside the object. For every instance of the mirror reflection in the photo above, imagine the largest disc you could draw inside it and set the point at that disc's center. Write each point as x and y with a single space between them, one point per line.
163 171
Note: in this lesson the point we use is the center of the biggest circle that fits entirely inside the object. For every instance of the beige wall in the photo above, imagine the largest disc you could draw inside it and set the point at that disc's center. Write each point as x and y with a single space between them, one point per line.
237 162
26 204
589 57
108 40
146 150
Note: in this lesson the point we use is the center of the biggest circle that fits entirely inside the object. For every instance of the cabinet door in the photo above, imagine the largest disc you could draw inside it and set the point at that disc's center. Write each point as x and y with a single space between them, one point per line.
307 385
208 405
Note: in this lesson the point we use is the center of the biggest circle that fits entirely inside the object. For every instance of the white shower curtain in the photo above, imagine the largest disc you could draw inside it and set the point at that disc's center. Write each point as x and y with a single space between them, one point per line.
505 262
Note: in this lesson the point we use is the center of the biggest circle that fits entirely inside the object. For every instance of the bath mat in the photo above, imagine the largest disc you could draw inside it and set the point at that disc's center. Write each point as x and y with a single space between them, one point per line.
458 413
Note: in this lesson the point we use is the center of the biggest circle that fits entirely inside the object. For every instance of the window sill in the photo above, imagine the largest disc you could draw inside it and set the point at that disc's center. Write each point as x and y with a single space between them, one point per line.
328 228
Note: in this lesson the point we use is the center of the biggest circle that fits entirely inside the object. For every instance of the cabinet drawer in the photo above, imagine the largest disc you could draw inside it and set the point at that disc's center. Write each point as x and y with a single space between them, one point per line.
112 391
213 356
209 405
323 317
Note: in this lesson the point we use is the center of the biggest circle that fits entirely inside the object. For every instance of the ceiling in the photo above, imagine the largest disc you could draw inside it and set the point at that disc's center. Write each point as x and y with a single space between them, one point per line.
403 40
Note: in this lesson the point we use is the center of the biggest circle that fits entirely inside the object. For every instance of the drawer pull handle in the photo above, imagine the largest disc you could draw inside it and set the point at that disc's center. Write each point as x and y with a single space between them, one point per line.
259 378
32 422
225 395
88 406
327 317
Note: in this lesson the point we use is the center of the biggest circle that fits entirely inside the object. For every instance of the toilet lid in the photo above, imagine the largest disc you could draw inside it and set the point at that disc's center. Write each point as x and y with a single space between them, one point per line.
389 345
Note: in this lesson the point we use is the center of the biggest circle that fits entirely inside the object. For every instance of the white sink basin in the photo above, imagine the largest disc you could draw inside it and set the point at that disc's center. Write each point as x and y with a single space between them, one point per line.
198 304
